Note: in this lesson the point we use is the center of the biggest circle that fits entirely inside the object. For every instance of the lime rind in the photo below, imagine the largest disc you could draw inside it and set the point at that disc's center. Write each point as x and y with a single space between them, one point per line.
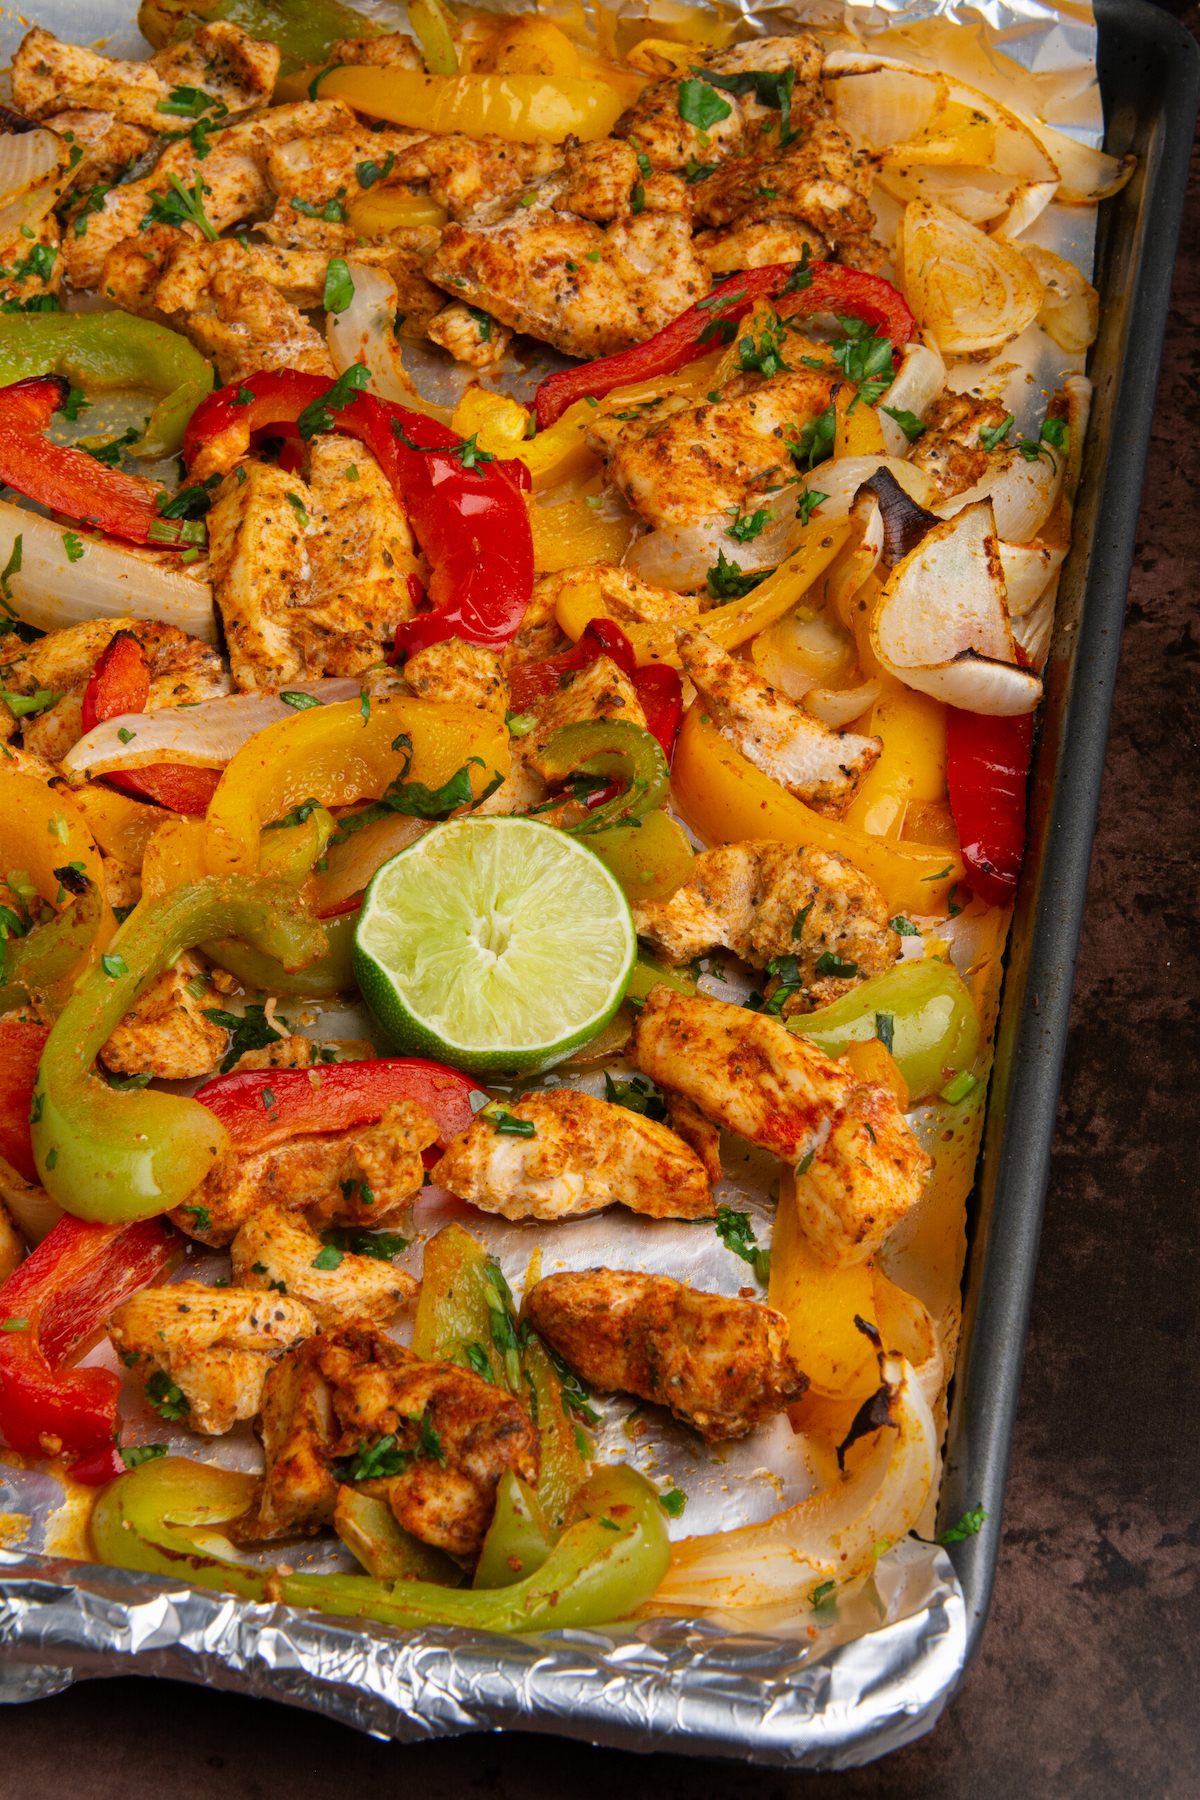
498 944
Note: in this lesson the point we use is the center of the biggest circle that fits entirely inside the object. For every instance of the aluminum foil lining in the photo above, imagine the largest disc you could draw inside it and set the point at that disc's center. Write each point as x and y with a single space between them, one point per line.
826 1687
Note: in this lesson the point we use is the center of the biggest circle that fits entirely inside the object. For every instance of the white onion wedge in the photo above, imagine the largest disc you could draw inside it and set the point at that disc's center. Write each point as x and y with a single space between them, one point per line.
30 183
920 381
205 736
1027 569
839 707
364 332
881 102
679 557
1070 309
839 480
979 684
1086 176
1023 493
107 582
968 291
1034 629
830 1537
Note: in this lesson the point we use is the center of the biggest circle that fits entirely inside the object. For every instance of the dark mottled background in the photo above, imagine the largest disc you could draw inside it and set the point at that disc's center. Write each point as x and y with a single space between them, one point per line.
1087 1682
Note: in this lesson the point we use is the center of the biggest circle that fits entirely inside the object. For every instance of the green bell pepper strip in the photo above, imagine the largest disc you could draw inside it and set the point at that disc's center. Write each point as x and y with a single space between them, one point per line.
616 750
935 1028
518 1539
647 975
50 952
107 1155
159 1519
369 1529
303 29
330 975
112 350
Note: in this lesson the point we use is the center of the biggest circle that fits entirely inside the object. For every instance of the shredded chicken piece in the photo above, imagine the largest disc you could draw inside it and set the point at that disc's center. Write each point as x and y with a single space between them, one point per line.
52 733
750 898
751 1075
455 673
215 1344
133 267
467 175
950 451
721 1365
394 50
285 1053
221 60
588 292
469 335
540 633
820 766
276 1249
297 1428
584 1154
689 1123
165 1034
122 883
356 1177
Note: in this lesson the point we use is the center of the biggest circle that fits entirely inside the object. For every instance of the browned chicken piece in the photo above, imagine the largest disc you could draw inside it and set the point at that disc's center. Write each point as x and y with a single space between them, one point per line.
750 898
599 691
455 673
540 634
623 595
221 60
758 246
818 765
299 275
859 1167
654 127
721 1365
394 50
689 1123
260 570
471 336
461 1432
30 266
801 52
600 182
464 174
584 1154
275 1249
107 146
122 883
313 176
682 461
52 733
165 1034
950 451
357 1177
247 326
820 180
215 1344
65 659
133 268
297 1428
585 291
362 556
289 1052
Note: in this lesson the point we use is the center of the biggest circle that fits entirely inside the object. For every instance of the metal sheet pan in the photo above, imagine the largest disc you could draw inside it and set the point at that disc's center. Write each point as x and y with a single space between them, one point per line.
705 1688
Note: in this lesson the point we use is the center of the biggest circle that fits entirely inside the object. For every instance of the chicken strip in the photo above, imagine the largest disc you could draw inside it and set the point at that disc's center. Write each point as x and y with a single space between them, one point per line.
681 462
165 1033
394 50
276 1249
298 1428
356 1177
363 560
600 180
235 70
758 245
655 124
815 763
260 571
455 673
689 1123
106 146
750 898
215 1346
599 691
471 336
467 174
859 1169
820 180
583 1154
624 596
30 265
587 292
950 451
245 326
721 1365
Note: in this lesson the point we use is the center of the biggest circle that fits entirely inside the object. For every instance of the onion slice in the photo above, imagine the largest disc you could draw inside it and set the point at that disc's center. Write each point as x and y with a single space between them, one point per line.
968 291
840 479
921 379
679 557
204 737
1070 309
364 332
1086 176
32 177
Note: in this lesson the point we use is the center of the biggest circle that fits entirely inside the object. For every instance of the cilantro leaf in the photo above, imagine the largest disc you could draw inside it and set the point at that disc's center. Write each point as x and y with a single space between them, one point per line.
810 499
992 436
673 1502
910 425
727 581
181 206
770 87
864 357
249 1033
636 1096
369 172
747 527
737 1234
968 1526
318 414
169 1401
339 287
813 443
829 964
700 104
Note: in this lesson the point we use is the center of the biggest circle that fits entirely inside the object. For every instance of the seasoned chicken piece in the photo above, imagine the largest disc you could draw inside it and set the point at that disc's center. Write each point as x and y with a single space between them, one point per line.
248 326
624 596
107 146
689 1123
260 570
562 279
801 52
122 883
52 733
464 174
363 560
654 126
859 1167
394 50
299 275
275 1249
950 451
133 268
215 1345
599 691
30 266
820 766
750 898
221 60
356 1177
540 633
298 1428
285 1053
460 1431
455 673
469 335
318 180
721 1365
758 246
63 659
682 462
820 180
584 1154
600 180
165 1034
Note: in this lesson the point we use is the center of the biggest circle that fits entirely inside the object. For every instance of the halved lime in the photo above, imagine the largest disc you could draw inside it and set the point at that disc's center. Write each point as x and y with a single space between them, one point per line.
498 944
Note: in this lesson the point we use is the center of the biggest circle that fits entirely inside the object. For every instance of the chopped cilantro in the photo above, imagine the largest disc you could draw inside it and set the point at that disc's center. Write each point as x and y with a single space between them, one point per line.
114 966
167 1399
885 1030
330 1257
737 1234
181 206
251 1032
810 499
73 545
968 1526
910 425
339 287
134 1455
637 1096
904 926
992 436
726 581
318 414
700 105
369 172
673 1502
829 964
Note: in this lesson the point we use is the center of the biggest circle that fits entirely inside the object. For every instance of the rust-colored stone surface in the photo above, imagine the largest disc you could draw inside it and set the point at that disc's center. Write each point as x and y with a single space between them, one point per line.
1088 1683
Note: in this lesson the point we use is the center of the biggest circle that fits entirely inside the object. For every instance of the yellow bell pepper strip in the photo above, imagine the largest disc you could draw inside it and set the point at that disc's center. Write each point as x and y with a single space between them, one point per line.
100 351
158 1519
649 860
44 832
330 974
520 109
912 765
729 801
528 46
174 855
571 533
871 1060
518 1539
394 209
49 954
921 1010
108 1155
820 1304
339 754
856 427
616 750
122 826
431 28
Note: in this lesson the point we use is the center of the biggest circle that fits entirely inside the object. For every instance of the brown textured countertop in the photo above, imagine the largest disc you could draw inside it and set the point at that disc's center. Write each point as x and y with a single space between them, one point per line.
1086 1685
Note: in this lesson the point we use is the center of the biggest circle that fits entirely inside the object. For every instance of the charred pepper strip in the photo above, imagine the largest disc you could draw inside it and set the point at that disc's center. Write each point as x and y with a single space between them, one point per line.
987 768
112 1156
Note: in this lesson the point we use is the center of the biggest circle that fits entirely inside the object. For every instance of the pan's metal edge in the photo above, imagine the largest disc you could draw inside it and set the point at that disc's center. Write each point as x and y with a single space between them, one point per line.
1035 1014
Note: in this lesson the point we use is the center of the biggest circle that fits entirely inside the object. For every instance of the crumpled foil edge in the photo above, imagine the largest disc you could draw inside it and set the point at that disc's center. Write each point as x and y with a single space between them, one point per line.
690 1686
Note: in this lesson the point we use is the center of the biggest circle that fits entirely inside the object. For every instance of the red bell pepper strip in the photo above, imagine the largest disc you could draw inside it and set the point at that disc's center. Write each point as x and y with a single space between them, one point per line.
987 769
338 1096
829 288
120 682
69 480
660 691
658 687
99 1467
50 1309
177 786
469 515
21 1046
